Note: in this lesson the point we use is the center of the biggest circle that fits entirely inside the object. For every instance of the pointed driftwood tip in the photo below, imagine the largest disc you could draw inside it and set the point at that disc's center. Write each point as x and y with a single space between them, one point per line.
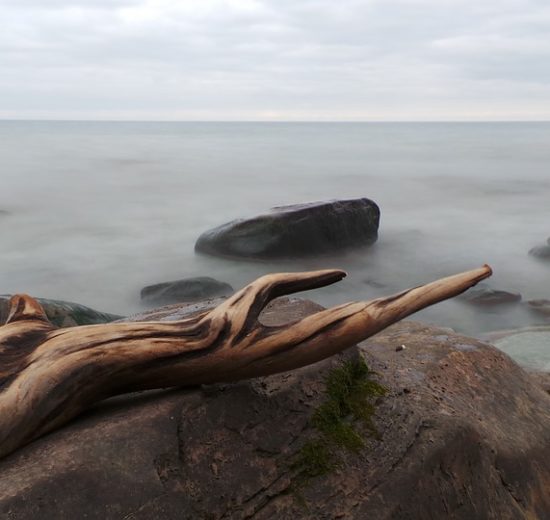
489 269
24 307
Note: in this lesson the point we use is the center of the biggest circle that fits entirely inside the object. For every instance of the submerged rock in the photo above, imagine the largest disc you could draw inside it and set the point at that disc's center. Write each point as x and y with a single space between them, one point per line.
462 433
542 251
483 294
63 314
541 307
186 290
528 346
296 231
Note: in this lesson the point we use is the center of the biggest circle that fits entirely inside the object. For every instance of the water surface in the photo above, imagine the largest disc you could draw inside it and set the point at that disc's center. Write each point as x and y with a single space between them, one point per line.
92 212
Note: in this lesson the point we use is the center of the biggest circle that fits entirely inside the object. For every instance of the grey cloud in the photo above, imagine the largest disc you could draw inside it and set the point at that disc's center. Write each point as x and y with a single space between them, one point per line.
277 58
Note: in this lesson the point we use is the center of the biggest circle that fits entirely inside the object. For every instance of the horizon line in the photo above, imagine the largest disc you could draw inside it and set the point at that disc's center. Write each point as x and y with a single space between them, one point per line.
306 121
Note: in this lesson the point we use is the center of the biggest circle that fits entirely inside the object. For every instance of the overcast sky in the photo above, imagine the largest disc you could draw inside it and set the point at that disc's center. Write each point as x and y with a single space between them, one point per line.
275 59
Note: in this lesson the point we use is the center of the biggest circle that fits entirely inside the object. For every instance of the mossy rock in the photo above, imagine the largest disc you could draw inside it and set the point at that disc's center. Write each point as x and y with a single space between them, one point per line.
64 314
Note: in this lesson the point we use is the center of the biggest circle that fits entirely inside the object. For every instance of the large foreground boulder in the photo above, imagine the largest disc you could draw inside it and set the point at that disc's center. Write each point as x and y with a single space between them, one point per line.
63 314
296 231
463 433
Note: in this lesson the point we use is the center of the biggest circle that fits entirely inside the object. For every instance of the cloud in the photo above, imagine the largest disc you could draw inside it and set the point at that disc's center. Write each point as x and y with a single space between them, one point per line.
275 59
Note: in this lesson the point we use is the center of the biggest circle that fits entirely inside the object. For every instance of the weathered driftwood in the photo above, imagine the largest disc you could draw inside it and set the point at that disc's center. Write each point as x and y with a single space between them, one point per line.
49 375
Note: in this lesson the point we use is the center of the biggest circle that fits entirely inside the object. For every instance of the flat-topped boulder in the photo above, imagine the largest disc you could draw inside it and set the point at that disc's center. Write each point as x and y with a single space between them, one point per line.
296 231
462 432
185 290
62 313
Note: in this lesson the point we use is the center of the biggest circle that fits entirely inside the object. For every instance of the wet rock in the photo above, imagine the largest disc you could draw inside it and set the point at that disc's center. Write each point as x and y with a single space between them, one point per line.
483 294
63 314
174 312
541 307
463 433
186 290
542 252
296 231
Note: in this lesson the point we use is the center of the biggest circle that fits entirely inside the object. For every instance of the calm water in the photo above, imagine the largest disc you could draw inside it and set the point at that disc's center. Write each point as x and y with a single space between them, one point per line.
98 210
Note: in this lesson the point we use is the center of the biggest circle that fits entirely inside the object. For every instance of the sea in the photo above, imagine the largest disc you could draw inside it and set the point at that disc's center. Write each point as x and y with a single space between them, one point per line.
91 212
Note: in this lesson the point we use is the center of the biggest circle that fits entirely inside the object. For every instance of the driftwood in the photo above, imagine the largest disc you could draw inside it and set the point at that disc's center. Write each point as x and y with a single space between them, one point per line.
49 375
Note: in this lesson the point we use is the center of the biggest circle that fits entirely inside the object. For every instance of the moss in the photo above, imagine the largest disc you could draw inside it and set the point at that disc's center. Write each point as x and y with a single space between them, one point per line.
350 395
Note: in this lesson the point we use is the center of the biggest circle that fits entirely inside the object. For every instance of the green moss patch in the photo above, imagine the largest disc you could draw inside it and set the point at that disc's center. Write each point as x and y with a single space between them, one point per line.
341 421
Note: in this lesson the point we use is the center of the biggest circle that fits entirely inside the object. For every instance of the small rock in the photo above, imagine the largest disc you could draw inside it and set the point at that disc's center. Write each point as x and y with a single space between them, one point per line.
483 294
186 290
374 284
541 306
399 348
542 252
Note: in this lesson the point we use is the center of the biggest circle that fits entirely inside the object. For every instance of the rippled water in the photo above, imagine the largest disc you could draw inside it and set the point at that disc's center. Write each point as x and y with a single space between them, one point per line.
95 211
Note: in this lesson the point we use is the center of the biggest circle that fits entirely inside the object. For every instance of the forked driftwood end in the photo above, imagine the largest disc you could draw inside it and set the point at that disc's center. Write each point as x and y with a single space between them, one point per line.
50 375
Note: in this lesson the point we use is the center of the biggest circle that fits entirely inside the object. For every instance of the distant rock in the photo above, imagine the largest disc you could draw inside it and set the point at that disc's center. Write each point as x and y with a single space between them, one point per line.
483 294
541 306
296 231
542 251
63 314
186 290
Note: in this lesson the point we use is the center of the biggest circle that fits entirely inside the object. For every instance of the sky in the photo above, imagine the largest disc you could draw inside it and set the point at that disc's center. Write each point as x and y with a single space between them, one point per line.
275 60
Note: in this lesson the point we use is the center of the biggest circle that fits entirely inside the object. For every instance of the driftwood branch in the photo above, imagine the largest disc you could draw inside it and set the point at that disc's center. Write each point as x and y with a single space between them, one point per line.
49 375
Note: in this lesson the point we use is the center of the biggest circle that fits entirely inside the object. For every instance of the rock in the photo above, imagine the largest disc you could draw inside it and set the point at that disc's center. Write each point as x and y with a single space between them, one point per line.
186 290
63 314
463 433
542 378
174 312
483 294
296 231
527 345
542 252
541 307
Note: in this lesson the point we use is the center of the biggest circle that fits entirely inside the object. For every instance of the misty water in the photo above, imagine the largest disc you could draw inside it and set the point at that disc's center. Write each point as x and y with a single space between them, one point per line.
92 212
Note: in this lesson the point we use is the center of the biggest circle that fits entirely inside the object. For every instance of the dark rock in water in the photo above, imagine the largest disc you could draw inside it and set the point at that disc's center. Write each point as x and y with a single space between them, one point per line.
541 306
63 314
541 252
463 433
296 231
186 290
374 284
483 294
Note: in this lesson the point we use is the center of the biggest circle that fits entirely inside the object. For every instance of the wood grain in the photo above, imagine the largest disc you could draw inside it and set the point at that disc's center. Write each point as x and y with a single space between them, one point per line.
49 375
